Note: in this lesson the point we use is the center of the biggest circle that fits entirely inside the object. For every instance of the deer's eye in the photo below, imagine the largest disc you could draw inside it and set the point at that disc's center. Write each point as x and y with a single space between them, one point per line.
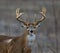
27 27
34 27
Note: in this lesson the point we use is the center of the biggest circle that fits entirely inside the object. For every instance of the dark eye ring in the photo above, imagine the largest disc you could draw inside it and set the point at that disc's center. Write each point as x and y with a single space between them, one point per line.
34 27
27 27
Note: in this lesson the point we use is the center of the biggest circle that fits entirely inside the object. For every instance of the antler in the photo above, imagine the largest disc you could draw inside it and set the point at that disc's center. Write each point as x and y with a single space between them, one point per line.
18 16
43 16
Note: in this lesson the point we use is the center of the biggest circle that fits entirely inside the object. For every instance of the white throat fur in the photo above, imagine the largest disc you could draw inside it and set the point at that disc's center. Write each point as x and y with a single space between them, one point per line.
31 39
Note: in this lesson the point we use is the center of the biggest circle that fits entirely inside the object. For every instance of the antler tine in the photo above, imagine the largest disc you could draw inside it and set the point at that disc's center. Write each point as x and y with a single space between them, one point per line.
43 16
18 16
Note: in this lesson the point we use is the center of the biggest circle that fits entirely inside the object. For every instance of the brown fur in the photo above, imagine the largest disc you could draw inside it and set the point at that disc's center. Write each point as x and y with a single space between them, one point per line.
17 45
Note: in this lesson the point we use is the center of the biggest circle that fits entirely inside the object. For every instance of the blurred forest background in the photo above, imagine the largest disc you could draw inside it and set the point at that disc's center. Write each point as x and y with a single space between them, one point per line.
47 35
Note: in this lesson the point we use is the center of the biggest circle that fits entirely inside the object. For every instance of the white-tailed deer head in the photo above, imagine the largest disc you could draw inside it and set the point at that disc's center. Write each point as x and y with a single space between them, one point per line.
30 26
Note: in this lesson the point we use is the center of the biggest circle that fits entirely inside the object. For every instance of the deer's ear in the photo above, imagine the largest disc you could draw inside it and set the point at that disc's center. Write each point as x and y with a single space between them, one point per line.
23 26
38 25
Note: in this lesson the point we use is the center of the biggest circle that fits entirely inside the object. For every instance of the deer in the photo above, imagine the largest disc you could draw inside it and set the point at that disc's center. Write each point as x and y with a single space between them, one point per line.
24 43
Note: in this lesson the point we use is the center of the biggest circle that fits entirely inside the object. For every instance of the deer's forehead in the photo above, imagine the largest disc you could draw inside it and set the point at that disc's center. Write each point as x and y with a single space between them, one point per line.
31 26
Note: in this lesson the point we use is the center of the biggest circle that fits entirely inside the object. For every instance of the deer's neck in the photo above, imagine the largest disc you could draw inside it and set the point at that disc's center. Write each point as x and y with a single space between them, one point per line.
31 39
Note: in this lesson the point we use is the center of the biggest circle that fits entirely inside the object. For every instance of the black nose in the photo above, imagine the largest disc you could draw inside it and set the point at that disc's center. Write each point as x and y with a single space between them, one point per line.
31 31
